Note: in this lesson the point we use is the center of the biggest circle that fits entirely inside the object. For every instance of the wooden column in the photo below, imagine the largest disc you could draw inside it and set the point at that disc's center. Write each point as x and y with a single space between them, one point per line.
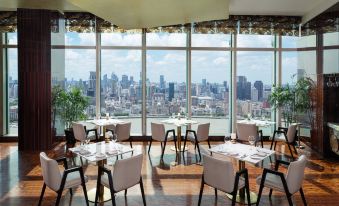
34 77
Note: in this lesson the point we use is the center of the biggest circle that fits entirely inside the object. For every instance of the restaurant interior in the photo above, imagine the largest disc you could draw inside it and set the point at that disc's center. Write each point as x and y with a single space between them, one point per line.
195 102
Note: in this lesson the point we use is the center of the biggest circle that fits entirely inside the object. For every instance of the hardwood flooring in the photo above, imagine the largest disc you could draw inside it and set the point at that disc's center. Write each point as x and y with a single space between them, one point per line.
165 185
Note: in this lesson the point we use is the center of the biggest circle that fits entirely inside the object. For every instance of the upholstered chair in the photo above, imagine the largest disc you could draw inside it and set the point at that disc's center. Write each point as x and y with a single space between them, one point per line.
126 174
289 183
286 135
220 175
245 130
159 134
202 134
123 132
81 134
58 180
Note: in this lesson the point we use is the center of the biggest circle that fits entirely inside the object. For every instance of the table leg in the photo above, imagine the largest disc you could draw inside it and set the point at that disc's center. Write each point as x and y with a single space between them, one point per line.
241 197
104 193
180 148
299 145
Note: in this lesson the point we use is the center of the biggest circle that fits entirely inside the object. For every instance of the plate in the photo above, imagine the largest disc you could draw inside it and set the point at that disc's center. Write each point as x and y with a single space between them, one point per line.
100 155
84 152
112 152
255 156
260 154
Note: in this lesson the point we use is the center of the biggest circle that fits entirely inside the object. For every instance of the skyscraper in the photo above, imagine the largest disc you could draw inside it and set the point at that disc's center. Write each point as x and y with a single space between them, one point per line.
170 91
124 82
91 84
162 82
260 87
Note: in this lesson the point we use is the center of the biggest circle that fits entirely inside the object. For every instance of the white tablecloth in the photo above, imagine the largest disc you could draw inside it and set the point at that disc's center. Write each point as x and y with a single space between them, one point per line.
100 150
242 152
105 122
179 122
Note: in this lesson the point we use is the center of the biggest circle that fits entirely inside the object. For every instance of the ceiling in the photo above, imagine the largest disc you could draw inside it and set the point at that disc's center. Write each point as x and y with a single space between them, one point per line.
150 13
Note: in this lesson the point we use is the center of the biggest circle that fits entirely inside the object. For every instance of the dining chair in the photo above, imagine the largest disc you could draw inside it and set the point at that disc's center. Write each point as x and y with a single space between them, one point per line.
159 134
198 136
81 133
126 174
110 128
58 180
123 132
220 175
244 130
289 183
287 135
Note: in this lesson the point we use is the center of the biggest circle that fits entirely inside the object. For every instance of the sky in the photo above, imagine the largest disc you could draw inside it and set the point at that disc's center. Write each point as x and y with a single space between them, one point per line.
211 65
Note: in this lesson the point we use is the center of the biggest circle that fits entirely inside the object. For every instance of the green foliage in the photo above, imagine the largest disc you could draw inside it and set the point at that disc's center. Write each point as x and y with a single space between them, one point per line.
293 101
70 106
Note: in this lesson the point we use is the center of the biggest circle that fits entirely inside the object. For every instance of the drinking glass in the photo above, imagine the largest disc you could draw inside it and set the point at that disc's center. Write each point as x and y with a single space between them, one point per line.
227 138
251 140
87 142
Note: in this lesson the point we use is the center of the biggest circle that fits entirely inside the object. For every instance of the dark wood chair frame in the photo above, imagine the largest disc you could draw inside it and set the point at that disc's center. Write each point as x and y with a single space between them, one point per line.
164 146
102 170
63 181
92 130
283 180
283 130
196 142
243 172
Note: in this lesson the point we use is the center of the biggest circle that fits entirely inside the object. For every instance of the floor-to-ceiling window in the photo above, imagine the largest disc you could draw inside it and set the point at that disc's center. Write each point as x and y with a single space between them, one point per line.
210 81
121 79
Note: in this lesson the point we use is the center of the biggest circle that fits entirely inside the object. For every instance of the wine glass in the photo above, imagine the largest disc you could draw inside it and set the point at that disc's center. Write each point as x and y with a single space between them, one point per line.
251 140
227 138
87 141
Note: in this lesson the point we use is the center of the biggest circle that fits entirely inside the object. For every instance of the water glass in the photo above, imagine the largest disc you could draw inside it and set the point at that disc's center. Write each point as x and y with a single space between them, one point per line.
227 138
251 140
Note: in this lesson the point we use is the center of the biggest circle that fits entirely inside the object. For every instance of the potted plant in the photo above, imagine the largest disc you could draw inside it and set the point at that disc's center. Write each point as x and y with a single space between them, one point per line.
56 102
283 98
70 106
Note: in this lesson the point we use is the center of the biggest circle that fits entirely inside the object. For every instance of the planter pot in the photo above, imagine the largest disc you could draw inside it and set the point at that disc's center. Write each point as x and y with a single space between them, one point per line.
70 139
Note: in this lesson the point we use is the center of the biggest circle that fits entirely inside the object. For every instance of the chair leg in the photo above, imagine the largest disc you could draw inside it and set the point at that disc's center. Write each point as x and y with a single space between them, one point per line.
247 187
303 196
260 189
126 192
163 150
70 191
150 144
275 145
201 191
289 198
42 194
175 146
83 183
110 180
289 147
142 192
234 197
209 144
58 198
197 143
270 194
185 141
272 143
216 192
161 145
98 188
295 149
130 142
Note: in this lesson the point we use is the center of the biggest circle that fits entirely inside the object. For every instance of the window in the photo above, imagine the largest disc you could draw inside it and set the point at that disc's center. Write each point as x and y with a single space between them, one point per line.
255 41
166 39
121 86
120 39
331 39
166 84
211 40
12 60
254 84
79 39
210 89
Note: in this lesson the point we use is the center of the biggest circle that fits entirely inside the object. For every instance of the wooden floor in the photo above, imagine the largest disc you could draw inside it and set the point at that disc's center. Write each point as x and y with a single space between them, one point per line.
21 180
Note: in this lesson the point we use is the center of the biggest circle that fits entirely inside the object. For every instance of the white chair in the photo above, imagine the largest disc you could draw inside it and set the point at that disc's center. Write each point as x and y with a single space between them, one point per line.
245 130
126 174
80 132
287 135
220 175
58 180
290 183
199 136
159 134
123 132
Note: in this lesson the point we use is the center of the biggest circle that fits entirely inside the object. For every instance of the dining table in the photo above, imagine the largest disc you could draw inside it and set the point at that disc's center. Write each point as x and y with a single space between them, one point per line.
102 123
244 153
257 122
179 122
99 153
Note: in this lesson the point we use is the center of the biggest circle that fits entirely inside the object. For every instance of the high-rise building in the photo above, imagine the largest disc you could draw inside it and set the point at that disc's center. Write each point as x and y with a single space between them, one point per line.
260 87
170 91
124 82
162 82
91 84
243 88
254 94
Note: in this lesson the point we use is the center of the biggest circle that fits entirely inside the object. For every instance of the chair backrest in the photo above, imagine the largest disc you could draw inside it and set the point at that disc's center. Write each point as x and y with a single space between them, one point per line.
203 131
50 172
110 126
291 132
123 131
295 174
79 132
219 173
158 132
245 130
127 172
